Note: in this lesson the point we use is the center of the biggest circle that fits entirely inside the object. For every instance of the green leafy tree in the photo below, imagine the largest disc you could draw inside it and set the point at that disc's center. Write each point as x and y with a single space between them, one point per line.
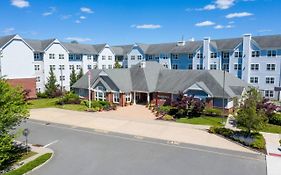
13 109
117 65
80 74
73 77
51 85
248 115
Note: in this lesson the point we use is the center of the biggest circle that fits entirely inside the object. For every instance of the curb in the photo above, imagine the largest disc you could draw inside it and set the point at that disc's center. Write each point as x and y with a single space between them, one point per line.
53 153
274 154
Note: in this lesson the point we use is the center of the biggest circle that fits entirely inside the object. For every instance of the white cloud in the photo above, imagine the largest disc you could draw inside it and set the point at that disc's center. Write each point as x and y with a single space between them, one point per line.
82 17
204 24
20 3
238 15
219 27
209 7
50 12
231 22
223 27
8 30
264 30
64 17
77 21
86 10
147 26
79 39
224 4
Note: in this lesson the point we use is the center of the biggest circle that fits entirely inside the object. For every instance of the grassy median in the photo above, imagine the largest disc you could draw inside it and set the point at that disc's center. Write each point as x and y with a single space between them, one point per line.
203 120
30 165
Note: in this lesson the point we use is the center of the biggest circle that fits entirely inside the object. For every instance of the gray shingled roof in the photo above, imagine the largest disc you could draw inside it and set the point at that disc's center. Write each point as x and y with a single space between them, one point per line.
5 39
268 42
189 47
226 44
39 45
122 50
155 78
99 47
80 48
154 49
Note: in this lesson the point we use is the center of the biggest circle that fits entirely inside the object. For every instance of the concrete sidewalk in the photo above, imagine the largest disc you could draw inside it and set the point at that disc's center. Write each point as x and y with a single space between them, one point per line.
147 128
273 158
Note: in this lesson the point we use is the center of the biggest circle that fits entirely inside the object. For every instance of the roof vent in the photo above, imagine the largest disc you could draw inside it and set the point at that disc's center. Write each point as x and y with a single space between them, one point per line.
142 64
181 43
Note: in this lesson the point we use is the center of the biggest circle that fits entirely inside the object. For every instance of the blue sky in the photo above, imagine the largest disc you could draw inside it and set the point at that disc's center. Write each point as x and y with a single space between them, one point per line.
146 21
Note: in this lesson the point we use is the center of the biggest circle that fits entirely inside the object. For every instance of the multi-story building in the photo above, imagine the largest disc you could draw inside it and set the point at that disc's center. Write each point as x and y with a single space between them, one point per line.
254 59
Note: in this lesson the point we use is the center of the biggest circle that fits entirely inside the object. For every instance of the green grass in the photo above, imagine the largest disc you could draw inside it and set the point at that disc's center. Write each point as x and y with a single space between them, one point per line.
203 120
73 107
25 156
272 128
30 165
42 103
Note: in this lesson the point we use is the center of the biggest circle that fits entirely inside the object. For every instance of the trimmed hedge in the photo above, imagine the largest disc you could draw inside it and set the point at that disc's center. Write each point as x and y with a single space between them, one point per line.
30 165
212 112
275 119
69 98
258 140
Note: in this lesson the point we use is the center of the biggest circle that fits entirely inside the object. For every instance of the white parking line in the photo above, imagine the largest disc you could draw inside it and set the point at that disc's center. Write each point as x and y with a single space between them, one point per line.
49 144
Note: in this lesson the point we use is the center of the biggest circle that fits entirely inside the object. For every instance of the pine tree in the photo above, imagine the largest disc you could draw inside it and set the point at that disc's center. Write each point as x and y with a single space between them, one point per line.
80 74
73 77
51 85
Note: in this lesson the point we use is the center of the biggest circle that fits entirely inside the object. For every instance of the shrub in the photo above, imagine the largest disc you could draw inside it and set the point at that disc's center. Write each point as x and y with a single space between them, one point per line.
164 109
69 98
259 142
212 112
168 117
181 113
41 95
275 119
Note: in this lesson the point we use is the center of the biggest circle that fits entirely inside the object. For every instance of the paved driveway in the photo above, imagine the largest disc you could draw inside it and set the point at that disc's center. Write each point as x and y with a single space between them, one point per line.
81 151
136 121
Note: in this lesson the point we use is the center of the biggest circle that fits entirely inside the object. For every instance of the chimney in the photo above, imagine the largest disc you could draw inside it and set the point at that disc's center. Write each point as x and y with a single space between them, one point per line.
180 43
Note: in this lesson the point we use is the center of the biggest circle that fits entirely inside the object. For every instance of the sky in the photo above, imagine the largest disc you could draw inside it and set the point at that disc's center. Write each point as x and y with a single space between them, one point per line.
138 21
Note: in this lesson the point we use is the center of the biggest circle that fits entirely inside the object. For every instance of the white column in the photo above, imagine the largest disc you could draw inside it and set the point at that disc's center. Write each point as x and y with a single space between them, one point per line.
134 98
148 98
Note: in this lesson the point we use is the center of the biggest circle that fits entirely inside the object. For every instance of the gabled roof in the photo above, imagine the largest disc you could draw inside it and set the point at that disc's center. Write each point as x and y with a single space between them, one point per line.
5 39
226 44
122 50
39 45
99 47
80 48
268 42
189 47
160 48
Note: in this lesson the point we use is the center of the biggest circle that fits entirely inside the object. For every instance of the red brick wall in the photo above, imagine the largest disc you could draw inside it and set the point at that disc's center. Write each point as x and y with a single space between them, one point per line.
26 83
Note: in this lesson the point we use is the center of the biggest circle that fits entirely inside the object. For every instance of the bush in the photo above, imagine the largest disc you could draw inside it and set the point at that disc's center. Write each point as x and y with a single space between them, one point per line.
99 105
212 112
275 119
259 142
164 109
41 95
69 98
168 117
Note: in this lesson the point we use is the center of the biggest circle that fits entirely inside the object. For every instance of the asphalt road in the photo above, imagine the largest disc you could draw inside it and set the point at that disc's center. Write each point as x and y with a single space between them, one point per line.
80 151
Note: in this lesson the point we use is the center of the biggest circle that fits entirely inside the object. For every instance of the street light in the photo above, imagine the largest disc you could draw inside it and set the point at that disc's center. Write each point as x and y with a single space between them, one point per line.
25 133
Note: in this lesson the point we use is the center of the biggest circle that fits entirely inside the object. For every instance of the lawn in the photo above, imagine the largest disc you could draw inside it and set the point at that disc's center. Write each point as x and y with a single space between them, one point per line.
272 128
30 165
203 120
73 107
42 103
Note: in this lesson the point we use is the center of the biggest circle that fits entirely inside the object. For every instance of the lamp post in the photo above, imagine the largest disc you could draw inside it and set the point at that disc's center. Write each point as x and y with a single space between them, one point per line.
89 87
25 133
223 88
61 79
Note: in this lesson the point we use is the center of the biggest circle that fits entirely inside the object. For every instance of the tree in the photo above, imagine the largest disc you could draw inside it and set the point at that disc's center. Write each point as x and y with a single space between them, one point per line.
249 115
51 85
13 110
117 65
80 74
73 77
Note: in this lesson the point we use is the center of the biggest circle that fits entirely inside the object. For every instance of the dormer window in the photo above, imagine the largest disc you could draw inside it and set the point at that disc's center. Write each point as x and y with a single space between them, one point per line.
255 53
271 53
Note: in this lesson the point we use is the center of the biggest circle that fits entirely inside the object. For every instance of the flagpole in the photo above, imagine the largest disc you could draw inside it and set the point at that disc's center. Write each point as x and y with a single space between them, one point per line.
89 88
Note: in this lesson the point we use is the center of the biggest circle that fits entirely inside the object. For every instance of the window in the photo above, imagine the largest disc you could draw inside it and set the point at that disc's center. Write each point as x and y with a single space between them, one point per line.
175 66
213 55
139 57
61 56
255 53
271 53
199 67
38 79
89 57
255 66
103 66
51 56
164 57
175 56
133 57
100 93
268 93
225 55
254 79
237 66
89 66
165 65
110 66
225 66
270 67
213 66
78 67
116 97
109 57
36 67
62 78
71 67
238 54
269 80
199 55
128 97
189 66
61 67
52 67
38 89
103 57
36 56
150 57
190 56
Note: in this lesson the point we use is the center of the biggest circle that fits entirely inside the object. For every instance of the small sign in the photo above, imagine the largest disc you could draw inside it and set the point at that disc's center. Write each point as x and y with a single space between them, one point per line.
26 132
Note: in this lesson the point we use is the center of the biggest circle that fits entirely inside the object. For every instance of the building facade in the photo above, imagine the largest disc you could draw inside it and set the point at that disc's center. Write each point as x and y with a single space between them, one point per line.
254 59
